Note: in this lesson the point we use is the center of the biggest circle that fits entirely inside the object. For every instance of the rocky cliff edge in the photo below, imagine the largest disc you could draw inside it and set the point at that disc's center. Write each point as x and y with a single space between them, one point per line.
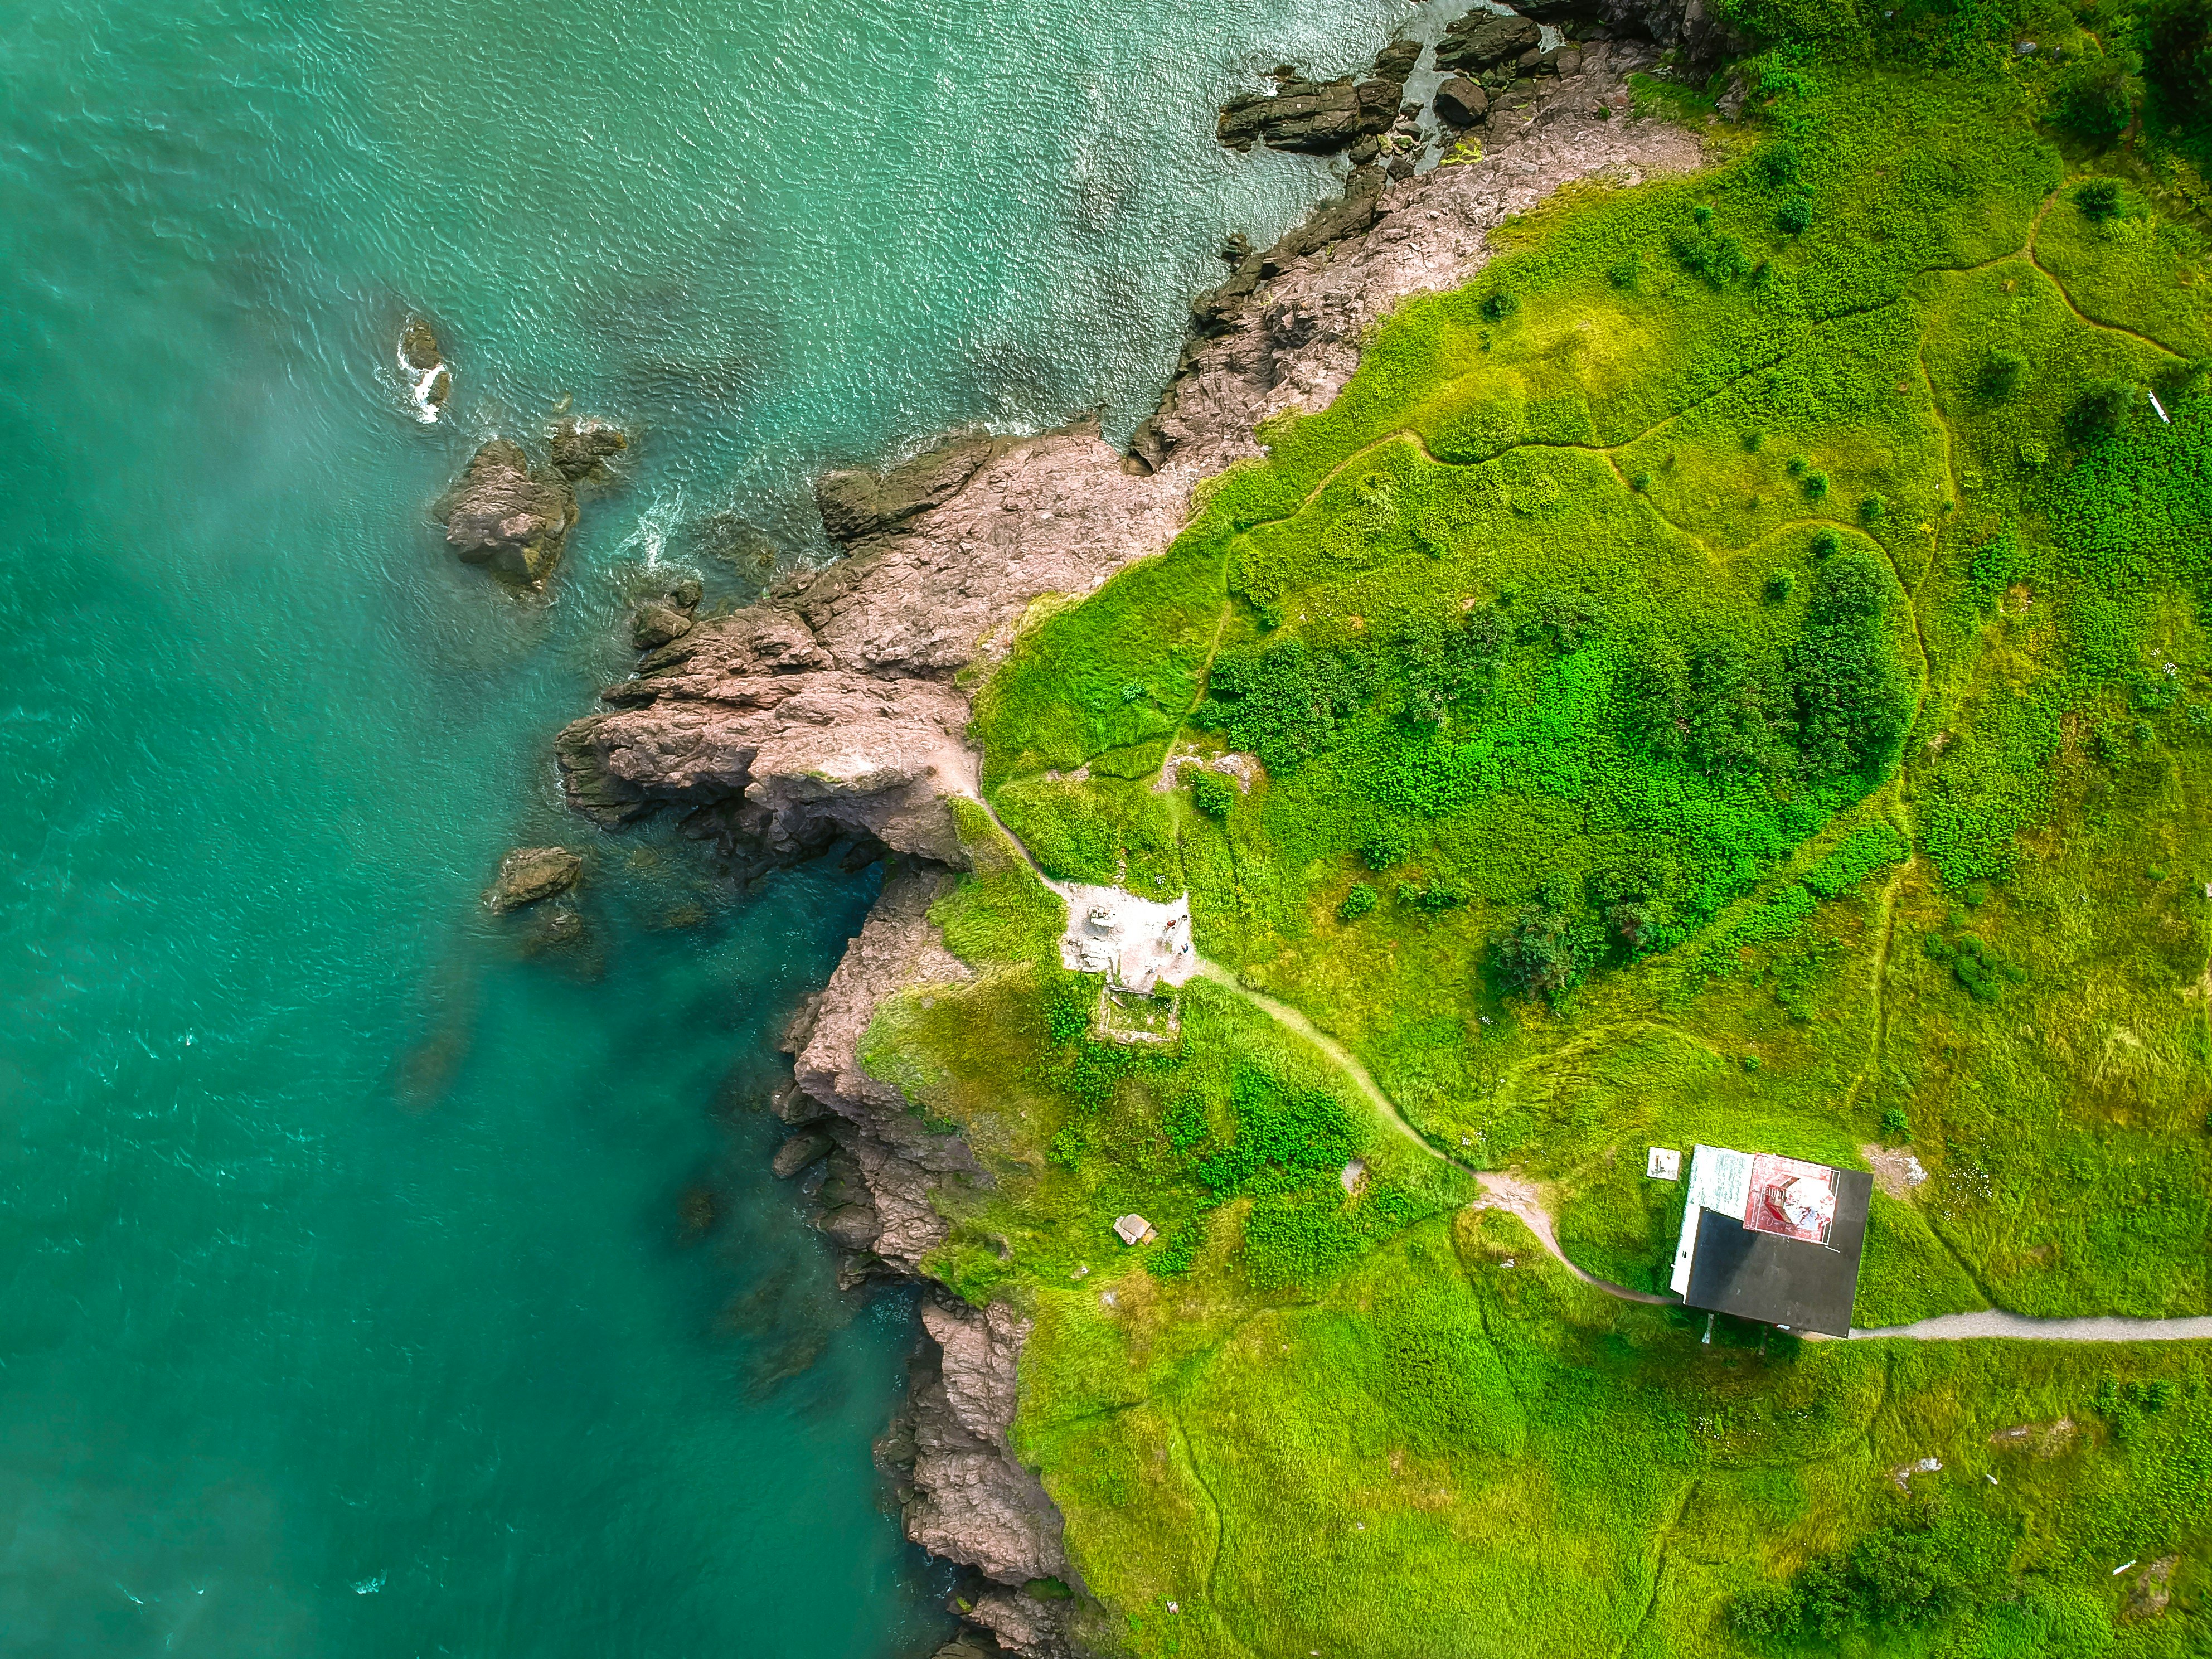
830 711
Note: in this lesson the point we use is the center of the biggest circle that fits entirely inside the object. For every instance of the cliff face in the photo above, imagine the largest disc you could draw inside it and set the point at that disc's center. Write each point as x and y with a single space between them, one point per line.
830 710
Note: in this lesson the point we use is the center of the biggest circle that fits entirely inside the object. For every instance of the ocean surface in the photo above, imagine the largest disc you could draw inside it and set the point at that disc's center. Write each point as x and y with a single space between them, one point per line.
368 1285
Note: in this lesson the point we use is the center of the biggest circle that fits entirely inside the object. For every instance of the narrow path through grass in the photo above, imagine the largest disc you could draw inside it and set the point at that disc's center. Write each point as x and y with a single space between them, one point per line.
1520 1199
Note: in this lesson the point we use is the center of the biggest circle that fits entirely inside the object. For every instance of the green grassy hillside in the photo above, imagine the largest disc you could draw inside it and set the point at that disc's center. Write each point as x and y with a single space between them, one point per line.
1736 672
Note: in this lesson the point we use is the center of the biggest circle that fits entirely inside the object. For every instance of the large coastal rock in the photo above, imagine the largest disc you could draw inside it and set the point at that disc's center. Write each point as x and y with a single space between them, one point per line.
973 1502
502 515
1319 118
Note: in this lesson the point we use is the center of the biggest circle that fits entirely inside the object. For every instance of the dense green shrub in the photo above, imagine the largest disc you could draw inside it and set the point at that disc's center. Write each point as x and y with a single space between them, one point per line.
2099 411
1853 705
1975 964
2002 374
1066 1151
1546 953
2092 100
2178 63
1283 703
1719 259
1212 794
1930 1563
1384 845
1431 896
2098 199
1356 903
1795 217
1500 304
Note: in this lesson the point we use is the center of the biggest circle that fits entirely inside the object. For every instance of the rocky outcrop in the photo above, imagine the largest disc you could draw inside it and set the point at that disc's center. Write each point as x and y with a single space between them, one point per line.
890 1158
827 710
1483 40
1022 1622
668 618
1284 332
502 515
530 875
800 1152
778 751
1319 118
513 519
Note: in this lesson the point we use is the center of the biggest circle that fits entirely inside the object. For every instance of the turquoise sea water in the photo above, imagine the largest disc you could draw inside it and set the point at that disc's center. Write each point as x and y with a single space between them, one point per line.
353 1296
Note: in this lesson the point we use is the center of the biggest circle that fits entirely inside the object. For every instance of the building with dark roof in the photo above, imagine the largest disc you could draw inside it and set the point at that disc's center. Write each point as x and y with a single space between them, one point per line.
1771 1239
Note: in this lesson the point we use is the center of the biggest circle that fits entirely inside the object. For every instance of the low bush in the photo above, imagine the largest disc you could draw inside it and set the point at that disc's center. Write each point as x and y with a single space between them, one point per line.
1213 794
2098 199
2002 374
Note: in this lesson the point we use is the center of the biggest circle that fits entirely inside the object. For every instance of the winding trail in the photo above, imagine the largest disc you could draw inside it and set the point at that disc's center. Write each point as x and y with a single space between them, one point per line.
1520 1199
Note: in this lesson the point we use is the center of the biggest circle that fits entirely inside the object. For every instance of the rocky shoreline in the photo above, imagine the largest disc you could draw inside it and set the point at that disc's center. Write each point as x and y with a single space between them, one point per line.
837 708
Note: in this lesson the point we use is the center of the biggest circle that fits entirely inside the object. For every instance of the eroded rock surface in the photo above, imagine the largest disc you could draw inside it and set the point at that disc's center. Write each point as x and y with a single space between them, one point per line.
1695 28
895 1157
972 1502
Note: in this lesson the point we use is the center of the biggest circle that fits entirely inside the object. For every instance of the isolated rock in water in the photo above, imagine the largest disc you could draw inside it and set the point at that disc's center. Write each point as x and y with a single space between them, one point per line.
502 515
430 381
557 927
656 625
1460 103
418 345
529 874
1482 41
579 446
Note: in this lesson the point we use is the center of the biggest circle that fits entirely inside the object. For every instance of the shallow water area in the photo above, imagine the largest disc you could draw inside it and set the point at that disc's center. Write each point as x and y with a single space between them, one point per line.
372 1286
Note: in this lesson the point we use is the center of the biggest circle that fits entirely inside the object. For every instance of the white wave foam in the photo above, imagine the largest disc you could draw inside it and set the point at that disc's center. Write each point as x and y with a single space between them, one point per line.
419 385
650 533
